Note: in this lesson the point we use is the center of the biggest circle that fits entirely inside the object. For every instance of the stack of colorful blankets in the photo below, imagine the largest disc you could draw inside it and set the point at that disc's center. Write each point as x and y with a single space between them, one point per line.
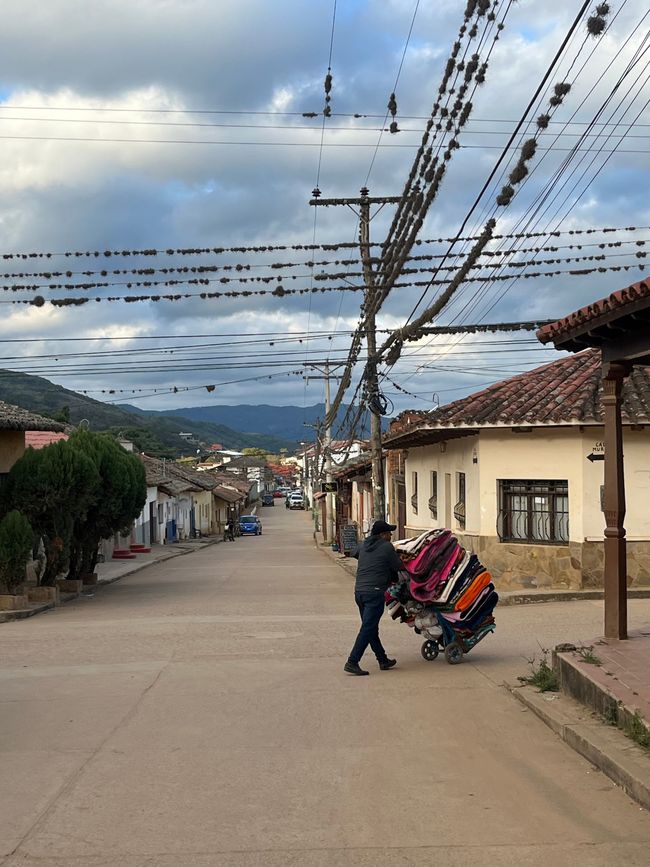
442 582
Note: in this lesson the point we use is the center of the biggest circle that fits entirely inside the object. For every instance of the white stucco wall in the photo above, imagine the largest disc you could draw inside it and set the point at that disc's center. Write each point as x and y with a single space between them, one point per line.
636 455
457 457
542 454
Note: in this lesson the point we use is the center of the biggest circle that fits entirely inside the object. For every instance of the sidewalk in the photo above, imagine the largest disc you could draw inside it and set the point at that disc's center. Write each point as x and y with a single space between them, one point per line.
603 708
114 570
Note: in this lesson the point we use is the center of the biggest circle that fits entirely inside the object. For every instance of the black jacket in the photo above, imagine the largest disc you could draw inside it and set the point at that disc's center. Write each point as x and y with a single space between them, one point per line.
378 566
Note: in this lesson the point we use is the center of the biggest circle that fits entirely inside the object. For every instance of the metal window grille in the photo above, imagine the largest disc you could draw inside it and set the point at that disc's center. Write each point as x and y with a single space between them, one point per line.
433 499
533 511
414 497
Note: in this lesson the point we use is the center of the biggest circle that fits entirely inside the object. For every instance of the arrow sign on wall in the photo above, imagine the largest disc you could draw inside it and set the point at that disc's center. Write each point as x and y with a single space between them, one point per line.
592 457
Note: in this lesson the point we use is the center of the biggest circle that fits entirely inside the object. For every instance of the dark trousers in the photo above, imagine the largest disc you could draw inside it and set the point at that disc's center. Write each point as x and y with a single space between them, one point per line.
371 608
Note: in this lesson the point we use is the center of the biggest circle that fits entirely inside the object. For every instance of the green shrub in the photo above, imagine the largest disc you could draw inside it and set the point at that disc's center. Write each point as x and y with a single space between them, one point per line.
16 540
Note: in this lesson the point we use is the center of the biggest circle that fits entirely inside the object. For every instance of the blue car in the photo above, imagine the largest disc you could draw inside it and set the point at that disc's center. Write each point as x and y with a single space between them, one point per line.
250 525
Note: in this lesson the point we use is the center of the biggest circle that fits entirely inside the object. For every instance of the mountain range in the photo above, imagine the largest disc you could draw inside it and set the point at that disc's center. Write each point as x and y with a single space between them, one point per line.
155 433
158 431
294 423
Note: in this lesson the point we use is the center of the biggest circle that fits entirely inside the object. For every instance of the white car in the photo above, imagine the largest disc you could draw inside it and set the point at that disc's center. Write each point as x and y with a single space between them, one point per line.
295 501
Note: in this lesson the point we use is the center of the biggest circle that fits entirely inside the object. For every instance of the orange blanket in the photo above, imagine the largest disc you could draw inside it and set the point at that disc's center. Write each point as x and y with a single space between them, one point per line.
477 586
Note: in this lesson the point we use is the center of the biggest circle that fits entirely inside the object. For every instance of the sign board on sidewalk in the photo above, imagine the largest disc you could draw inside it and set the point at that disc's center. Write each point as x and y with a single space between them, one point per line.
349 539
329 487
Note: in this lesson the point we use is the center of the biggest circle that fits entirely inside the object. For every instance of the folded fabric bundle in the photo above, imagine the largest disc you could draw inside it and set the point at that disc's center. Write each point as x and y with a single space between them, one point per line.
440 568
409 548
455 577
477 604
421 566
484 611
473 568
476 587
442 583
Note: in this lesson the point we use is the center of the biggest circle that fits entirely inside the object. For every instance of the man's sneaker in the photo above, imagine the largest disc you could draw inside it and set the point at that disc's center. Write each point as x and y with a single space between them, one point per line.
353 668
387 663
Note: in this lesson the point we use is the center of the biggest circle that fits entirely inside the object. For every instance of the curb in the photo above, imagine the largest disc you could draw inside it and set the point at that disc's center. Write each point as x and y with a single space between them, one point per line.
517 597
24 613
507 598
604 746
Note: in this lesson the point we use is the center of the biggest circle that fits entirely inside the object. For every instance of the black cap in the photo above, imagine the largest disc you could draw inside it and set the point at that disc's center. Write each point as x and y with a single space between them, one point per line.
380 527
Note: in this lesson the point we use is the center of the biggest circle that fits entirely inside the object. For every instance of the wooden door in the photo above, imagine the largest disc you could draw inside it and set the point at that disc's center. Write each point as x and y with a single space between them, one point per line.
401 508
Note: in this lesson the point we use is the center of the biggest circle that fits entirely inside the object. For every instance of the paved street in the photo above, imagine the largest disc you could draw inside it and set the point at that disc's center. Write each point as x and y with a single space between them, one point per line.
196 714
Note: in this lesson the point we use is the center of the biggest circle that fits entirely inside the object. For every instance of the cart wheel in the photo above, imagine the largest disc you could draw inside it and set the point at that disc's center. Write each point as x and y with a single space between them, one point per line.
453 653
429 650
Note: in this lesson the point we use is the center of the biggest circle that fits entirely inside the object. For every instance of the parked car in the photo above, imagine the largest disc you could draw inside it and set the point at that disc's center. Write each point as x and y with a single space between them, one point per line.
250 525
295 501
268 500
278 494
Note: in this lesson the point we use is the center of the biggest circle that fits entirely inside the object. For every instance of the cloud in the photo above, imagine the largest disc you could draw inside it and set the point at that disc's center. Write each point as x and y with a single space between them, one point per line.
157 181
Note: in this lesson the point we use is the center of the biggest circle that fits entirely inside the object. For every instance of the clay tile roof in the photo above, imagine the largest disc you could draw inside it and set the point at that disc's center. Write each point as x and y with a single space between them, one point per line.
596 314
38 439
174 487
227 494
17 418
567 391
155 470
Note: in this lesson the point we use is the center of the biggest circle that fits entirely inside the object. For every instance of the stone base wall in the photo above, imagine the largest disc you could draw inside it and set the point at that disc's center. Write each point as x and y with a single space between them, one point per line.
638 564
528 567
576 566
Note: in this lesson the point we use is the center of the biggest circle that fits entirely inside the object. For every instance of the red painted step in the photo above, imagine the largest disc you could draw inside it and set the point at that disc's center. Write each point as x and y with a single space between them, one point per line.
123 554
140 549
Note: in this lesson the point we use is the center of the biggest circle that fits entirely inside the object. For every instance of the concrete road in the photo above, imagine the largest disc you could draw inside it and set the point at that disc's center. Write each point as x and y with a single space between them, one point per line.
196 715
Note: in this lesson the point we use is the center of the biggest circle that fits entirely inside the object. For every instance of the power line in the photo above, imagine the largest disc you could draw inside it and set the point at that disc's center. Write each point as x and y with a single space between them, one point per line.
266 248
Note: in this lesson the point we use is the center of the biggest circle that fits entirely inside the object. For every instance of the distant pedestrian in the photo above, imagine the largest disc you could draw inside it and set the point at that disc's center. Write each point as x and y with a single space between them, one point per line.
379 564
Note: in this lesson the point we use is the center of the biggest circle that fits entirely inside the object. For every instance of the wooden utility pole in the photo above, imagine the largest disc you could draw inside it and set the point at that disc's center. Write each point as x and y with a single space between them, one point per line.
363 203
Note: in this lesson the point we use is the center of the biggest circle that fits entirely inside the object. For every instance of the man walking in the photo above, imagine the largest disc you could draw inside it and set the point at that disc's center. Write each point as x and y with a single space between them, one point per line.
378 567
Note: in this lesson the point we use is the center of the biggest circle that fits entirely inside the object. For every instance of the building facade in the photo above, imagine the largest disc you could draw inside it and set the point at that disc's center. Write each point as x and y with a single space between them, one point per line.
516 471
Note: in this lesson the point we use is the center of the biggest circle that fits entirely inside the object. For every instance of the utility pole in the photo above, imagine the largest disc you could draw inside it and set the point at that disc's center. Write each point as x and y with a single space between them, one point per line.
329 530
363 203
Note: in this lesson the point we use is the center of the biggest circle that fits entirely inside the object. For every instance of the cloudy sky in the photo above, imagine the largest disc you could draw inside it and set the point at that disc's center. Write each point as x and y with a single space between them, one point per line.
167 124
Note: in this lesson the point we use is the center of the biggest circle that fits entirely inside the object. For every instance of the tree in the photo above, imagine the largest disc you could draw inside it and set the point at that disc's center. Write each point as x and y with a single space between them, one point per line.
255 452
16 540
53 487
121 495
63 415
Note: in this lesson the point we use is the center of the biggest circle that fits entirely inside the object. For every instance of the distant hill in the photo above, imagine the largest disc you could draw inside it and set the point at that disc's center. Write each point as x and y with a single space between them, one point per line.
285 422
157 433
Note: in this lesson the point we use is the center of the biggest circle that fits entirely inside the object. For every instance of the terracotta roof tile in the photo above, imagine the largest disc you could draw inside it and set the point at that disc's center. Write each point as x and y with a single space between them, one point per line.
617 301
567 391
38 439
17 418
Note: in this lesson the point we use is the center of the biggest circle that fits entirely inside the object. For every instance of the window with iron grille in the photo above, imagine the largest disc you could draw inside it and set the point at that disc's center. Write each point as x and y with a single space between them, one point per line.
459 508
433 499
414 495
533 511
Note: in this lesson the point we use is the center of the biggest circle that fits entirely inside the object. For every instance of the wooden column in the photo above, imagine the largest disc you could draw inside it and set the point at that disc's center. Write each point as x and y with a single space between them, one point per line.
615 545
